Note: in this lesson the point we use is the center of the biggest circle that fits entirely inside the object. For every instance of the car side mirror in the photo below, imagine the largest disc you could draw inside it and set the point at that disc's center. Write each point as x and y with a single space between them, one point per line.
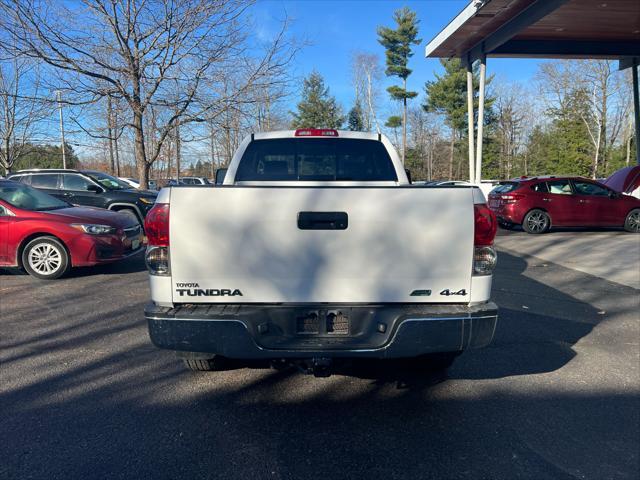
408 172
93 188
613 194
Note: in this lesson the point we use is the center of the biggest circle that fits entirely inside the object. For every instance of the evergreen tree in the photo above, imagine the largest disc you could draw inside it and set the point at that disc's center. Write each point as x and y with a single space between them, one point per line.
563 147
447 95
398 44
199 169
317 109
47 156
394 122
355 118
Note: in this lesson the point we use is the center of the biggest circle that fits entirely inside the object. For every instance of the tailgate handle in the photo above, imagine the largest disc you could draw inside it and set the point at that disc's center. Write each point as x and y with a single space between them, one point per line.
323 220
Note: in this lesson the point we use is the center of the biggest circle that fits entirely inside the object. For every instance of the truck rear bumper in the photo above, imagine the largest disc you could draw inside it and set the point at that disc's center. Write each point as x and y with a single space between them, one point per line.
306 331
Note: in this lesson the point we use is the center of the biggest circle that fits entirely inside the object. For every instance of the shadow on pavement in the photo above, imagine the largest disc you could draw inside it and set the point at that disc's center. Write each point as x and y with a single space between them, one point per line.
84 394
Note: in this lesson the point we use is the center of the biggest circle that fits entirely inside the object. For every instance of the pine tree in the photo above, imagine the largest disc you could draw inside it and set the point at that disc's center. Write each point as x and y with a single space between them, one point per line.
394 122
398 44
317 109
563 146
47 156
447 95
355 118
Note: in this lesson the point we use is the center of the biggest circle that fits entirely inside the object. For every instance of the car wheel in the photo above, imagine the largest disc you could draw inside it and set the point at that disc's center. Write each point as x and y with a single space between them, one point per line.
536 221
45 258
632 222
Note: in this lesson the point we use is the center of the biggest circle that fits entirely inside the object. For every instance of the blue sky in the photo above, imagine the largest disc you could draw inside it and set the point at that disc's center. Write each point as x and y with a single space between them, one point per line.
336 28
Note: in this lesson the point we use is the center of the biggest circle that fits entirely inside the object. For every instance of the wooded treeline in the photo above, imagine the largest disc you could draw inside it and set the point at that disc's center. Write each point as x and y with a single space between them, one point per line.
161 88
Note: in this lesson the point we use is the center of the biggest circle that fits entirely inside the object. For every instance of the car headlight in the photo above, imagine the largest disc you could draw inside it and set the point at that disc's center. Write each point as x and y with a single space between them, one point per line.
148 201
94 229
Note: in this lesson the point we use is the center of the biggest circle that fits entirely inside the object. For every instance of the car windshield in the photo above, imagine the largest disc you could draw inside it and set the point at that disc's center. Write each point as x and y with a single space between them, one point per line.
107 181
28 198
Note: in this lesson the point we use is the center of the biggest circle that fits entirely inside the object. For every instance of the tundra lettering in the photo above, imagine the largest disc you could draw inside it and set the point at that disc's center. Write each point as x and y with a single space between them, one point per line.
209 292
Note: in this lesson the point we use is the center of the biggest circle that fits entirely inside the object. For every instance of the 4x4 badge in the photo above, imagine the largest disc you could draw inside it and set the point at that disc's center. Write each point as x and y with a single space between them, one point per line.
448 292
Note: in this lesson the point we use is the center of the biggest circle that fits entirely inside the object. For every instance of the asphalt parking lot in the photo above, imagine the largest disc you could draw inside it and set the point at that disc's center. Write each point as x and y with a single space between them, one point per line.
83 394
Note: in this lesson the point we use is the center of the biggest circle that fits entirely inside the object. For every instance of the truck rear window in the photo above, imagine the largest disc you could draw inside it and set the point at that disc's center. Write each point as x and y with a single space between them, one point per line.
325 159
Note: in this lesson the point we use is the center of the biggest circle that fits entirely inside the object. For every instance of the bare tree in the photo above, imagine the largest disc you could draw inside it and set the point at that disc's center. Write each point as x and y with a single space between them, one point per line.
21 109
511 107
424 129
628 135
601 90
366 75
138 48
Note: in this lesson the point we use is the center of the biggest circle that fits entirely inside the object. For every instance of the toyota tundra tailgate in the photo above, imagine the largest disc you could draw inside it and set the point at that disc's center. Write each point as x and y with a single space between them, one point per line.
352 245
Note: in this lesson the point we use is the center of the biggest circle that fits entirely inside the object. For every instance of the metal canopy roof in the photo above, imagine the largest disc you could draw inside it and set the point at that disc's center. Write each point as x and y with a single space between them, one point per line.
607 29
543 29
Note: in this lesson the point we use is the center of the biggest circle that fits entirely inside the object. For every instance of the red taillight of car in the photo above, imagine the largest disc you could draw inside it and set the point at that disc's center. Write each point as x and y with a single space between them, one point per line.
316 132
511 197
156 225
486 225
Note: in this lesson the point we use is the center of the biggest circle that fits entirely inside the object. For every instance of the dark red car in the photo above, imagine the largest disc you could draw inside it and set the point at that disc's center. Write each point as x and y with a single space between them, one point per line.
540 203
47 236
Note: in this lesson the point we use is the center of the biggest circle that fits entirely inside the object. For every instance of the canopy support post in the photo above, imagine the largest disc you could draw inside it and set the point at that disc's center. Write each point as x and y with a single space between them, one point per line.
483 74
636 110
471 130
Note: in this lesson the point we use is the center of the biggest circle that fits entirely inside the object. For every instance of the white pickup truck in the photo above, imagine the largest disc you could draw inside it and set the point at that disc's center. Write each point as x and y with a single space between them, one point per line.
317 248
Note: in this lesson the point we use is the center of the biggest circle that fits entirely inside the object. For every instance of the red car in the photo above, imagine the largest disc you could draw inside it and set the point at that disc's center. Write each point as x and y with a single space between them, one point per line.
539 203
47 236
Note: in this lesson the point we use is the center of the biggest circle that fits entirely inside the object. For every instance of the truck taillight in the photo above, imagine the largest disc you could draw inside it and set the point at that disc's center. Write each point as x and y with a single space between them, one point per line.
316 132
156 226
486 225
157 261
485 228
